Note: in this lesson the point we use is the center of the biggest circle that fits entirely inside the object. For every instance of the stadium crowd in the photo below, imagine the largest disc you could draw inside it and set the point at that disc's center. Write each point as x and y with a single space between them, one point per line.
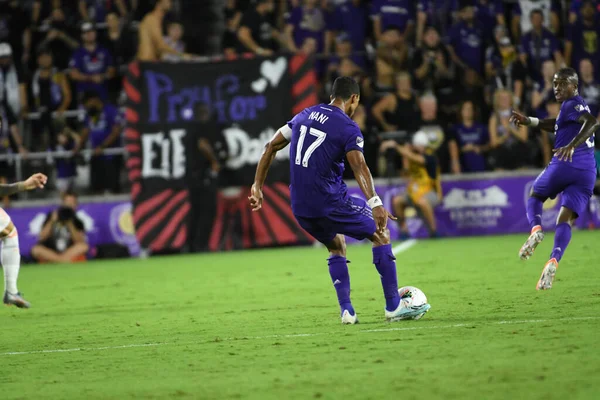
453 69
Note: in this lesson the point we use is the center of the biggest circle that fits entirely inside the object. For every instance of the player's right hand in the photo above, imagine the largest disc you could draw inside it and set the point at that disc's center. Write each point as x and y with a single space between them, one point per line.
519 119
381 216
256 198
36 181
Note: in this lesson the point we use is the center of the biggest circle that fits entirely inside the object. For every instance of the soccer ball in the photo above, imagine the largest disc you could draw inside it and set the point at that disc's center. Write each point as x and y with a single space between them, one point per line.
412 297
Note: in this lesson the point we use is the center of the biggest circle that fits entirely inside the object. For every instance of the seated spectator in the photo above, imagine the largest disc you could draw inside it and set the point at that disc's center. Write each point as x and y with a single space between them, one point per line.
257 34
508 143
467 87
575 9
397 14
431 63
539 45
91 66
391 58
151 45
589 88
62 238
173 40
434 127
465 41
583 38
304 22
13 88
423 189
66 168
10 139
59 40
489 13
399 111
94 10
544 91
102 126
351 18
472 140
503 68
51 93
343 51
436 13
550 10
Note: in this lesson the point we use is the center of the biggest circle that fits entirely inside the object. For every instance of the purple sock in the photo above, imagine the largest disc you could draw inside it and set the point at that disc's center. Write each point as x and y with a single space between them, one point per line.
562 237
338 269
384 261
534 211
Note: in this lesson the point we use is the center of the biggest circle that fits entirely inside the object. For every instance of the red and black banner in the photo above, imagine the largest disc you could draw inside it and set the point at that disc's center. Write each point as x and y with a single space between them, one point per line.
249 100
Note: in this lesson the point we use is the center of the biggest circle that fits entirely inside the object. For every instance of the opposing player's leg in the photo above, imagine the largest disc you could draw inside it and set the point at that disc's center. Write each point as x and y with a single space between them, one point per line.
399 204
324 230
11 262
385 262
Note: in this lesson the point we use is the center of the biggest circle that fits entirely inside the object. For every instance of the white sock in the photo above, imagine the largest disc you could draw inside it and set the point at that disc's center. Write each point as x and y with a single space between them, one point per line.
11 261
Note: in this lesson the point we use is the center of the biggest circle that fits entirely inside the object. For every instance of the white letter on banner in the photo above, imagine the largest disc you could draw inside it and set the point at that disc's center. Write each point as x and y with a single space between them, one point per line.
148 154
238 143
178 153
165 165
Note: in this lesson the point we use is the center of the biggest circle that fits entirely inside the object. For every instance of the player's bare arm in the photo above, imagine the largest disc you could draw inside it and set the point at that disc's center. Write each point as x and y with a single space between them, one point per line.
33 182
589 125
519 120
363 176
271 148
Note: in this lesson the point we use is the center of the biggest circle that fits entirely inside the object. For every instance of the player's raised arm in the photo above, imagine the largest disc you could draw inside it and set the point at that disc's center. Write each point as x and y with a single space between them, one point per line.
363 176
33 182
589 125
279 141
546 124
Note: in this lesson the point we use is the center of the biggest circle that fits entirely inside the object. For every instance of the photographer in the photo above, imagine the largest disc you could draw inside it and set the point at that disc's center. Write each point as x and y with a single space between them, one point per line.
62 238
423 189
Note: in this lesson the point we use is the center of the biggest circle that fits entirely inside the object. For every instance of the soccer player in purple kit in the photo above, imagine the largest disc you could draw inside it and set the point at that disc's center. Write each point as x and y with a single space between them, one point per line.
320 137
572 170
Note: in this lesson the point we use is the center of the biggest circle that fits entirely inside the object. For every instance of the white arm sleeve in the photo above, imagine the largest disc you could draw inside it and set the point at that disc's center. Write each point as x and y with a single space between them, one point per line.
286 131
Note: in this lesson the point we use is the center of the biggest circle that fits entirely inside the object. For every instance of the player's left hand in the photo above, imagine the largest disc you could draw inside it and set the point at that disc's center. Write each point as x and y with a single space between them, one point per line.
564 153
35 181
256 198
381 216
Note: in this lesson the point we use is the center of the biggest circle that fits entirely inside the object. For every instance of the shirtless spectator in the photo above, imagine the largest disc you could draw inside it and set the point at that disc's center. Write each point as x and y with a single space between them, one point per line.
152 46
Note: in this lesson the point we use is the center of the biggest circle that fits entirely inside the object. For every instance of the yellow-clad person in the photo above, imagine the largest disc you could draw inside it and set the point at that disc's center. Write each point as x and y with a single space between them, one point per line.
424 190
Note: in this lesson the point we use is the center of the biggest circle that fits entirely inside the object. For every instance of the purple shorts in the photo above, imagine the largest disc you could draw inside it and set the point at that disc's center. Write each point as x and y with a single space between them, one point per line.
576 185
352 218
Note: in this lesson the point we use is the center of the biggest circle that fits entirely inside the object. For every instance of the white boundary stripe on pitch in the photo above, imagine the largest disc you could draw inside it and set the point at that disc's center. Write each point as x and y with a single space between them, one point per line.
297 335
404 246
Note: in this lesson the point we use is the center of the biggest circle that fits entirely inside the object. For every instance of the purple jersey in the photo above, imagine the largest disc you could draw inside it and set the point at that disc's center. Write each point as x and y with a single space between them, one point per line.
393 13
307 24
102 126
91 63
321 136
567 127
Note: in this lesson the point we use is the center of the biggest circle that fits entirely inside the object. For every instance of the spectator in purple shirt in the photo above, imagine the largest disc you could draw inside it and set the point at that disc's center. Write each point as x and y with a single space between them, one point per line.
436 13
399 14
351 18
489 13
304 22
539 45
101 125
575 9
465 41
472 139
583 37
91 65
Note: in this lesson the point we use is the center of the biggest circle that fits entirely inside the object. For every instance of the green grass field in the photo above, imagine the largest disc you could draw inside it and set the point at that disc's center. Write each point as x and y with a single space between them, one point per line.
265 325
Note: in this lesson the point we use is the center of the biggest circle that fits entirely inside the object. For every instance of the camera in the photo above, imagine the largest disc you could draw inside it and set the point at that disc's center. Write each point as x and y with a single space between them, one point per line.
65 214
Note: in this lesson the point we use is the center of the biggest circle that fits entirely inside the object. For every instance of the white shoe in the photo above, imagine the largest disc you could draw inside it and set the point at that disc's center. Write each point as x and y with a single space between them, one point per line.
532 242
348 319
548 274
402 312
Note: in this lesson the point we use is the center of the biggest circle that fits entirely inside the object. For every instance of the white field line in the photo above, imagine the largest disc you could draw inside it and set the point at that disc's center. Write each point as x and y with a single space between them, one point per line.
297 335
404 246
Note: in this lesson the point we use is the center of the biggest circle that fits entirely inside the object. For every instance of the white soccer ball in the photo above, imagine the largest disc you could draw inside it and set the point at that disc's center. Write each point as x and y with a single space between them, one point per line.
412 297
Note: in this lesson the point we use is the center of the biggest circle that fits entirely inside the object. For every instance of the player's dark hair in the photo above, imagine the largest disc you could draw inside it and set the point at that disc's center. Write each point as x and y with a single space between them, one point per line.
536 11
344 87
570 74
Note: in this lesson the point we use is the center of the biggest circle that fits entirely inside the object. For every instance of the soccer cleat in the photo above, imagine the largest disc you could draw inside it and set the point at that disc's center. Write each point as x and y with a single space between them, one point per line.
15 300
547 277
532 242
349 319
402 312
